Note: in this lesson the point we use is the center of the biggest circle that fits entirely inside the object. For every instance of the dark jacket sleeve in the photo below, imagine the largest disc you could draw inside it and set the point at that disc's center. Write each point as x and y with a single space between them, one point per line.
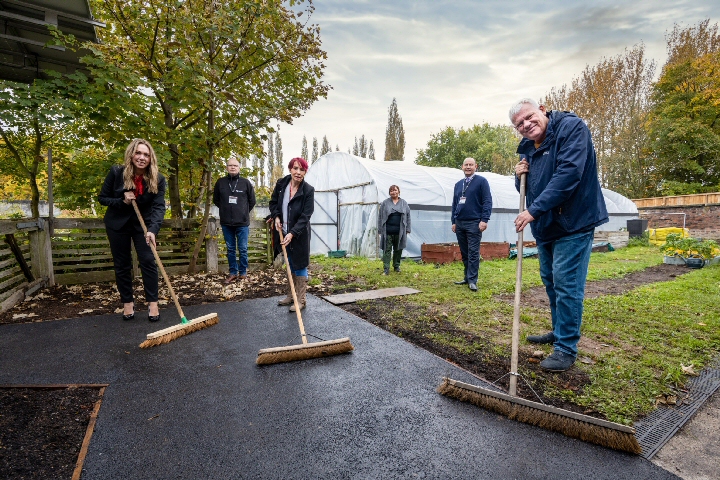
157 212
108 196
407 216
486 201
454 205
216 193
250 195
274 203
573 144
308 208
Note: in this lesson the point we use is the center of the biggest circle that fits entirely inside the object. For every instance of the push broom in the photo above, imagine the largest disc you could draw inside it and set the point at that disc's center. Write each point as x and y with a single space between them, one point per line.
306 350
186 326
575 425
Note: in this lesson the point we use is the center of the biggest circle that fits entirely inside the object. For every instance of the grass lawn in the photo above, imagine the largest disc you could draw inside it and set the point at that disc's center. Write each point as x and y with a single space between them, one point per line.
635 344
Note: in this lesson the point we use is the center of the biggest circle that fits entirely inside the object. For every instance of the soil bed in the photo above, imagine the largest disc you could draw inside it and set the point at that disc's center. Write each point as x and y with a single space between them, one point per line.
41 430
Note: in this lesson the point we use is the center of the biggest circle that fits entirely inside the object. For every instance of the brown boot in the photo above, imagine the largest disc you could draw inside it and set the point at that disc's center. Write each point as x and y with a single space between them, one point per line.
288 300
300 290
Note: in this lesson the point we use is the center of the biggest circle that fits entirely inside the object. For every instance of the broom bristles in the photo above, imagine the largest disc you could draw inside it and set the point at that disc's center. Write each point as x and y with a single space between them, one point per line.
292 353
180 330
589 429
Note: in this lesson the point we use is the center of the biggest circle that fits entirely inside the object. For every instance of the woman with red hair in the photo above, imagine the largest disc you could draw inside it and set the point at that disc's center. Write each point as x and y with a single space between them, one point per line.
291 206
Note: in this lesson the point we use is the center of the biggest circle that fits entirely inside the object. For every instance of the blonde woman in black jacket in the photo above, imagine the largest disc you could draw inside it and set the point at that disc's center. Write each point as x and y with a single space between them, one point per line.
138 179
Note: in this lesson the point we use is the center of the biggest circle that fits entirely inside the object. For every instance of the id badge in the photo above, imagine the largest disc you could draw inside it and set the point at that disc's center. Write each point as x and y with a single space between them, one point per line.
461 201
232 200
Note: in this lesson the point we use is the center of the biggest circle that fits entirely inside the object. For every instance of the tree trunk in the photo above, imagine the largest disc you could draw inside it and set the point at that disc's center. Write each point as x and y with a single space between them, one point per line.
203 225
174 182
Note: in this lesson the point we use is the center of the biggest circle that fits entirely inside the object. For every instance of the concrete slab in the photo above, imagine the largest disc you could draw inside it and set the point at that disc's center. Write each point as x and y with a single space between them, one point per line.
369 295
199 407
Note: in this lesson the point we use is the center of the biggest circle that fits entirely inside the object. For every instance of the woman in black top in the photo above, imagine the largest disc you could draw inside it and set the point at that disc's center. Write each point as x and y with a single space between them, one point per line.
138 179
393 227
291 206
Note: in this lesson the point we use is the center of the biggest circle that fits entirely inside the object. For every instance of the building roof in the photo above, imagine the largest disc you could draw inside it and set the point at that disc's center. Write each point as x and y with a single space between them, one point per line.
24 34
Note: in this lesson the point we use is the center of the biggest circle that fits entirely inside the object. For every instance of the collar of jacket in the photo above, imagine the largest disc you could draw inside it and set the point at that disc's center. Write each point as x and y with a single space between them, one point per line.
287 179
527 146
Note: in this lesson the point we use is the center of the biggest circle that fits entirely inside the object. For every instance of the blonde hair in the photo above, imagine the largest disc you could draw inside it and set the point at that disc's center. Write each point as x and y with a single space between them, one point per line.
151 172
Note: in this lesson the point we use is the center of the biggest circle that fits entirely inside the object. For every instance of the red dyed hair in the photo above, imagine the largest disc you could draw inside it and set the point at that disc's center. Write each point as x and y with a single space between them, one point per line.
303 163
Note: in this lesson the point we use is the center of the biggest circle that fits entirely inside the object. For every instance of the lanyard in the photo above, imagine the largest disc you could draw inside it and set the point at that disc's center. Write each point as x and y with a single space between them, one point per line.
466 185
237 180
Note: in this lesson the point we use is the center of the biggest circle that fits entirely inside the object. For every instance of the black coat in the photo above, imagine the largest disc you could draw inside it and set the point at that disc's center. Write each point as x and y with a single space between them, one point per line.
151 205
300 209
234 214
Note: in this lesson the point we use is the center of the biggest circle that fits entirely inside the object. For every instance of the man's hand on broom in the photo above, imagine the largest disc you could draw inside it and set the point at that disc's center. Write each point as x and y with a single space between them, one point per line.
150 239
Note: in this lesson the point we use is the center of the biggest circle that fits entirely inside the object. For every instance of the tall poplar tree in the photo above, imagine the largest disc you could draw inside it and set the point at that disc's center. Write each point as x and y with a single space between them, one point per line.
304 150
325 146
315 150
394 135
371 151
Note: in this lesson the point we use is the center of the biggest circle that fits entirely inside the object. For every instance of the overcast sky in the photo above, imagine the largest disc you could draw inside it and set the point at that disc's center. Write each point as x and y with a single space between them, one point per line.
460 63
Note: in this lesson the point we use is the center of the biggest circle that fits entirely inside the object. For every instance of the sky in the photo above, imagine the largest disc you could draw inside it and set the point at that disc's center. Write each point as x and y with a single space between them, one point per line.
461 63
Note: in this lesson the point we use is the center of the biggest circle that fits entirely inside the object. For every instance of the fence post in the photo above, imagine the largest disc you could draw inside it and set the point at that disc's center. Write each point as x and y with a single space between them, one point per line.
211 247
269 244
41 252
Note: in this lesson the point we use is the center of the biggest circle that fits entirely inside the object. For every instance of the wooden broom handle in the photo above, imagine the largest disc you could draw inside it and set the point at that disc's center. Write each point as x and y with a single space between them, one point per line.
518 289
159 263
292 289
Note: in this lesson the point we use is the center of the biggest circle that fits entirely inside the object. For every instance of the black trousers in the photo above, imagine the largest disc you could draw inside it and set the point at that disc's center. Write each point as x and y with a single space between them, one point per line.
120 244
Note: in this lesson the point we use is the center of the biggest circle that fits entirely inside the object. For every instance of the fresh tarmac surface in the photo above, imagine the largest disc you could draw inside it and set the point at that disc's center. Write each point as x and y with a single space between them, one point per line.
199 407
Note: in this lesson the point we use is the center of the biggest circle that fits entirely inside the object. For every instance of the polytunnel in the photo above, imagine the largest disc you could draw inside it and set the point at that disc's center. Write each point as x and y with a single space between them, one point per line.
351 188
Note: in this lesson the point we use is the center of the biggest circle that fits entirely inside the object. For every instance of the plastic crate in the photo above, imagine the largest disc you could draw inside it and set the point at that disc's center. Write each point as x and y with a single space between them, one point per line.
337 253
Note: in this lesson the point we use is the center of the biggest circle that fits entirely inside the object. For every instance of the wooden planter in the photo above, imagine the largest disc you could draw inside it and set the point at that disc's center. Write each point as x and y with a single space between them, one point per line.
450 252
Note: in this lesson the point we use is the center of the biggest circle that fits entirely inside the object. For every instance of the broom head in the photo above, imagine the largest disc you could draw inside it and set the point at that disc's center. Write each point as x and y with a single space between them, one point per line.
575 425
176 331
306 351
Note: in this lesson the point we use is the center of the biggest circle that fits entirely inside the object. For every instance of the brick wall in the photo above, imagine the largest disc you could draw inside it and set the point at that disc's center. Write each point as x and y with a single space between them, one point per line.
703 221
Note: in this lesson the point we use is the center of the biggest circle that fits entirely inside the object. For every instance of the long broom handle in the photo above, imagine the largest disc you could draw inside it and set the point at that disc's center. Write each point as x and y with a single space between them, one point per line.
292 289
159 263
516 308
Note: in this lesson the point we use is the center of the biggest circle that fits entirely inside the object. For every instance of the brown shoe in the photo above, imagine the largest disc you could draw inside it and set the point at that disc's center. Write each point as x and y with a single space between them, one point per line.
230 279
242 277
288 300
301 290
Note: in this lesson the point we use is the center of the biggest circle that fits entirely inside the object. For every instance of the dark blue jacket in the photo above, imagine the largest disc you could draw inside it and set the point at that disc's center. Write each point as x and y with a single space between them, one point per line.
563 191
478 201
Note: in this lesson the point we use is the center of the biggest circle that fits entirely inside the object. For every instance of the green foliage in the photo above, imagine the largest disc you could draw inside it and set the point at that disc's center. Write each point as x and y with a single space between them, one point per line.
686 247
492 146
641 241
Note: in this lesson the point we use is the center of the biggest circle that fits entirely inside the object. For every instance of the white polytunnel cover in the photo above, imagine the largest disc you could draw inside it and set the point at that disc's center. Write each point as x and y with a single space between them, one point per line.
353 187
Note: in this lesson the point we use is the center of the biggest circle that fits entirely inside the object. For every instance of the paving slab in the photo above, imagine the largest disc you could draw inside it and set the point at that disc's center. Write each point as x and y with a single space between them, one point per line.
342 298
199 407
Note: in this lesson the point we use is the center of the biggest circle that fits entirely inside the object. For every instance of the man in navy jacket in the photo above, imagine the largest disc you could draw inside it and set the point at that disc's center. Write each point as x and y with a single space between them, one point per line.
471 208
564 205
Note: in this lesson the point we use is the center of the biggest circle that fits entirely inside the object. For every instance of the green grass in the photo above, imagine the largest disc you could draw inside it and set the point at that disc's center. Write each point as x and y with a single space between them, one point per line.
637 342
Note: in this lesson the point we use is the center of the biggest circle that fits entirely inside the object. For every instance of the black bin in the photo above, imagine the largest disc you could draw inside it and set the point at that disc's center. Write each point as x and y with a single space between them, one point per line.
636 227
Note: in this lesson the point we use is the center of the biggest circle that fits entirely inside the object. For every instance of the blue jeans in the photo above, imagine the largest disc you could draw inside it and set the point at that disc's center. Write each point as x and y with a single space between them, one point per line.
236 238
468 236
303 272
563 269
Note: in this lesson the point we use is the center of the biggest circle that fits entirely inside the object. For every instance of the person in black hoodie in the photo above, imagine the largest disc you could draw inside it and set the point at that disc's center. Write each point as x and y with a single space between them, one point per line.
235 197
291 205
138 179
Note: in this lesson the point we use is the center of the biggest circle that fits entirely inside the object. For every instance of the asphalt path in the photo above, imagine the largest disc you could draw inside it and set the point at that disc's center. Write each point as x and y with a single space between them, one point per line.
200 408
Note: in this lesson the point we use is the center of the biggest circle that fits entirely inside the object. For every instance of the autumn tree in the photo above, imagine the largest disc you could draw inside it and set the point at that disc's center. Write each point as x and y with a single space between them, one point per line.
685 122
394 135
613 98
492 146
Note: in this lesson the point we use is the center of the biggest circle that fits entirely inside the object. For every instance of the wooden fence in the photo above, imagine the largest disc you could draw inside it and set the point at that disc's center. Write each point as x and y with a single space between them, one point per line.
76 250
679 200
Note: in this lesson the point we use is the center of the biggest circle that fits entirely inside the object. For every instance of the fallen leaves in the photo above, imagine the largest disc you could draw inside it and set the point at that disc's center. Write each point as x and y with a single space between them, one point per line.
23 315
688 370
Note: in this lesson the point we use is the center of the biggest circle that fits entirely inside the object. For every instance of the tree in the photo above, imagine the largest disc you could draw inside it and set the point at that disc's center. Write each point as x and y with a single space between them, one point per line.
362 146
325 146
219 73
277 170
394 135
371 151
315 150
613 98
270 157
304 150
684 127
492 146
356 148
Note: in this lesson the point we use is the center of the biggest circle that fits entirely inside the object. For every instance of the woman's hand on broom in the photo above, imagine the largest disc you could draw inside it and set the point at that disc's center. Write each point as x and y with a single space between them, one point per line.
287 239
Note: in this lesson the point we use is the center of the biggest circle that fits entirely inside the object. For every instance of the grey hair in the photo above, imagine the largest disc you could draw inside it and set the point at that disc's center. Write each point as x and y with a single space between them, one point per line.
519 105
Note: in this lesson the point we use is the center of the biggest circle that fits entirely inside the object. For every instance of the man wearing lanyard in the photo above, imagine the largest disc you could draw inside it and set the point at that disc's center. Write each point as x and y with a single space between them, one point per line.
471 208
235 197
